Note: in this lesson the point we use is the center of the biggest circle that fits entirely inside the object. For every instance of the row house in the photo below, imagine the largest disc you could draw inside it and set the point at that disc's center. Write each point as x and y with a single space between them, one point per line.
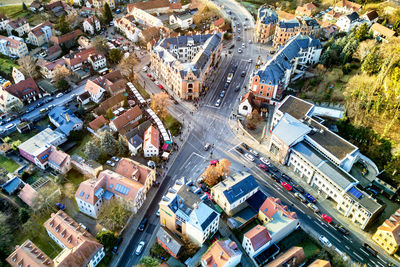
76 60
346 7
91 25
127 26
68 39
113 82
306 10
13 46
269 82
266 22
321 158
151 142
231 193
3 22
158 6
101 3
28 254
40 34
26 90
145 18
184 62
47 68
130 183
184 213
128 120
98 61
19 25
285 30
8 102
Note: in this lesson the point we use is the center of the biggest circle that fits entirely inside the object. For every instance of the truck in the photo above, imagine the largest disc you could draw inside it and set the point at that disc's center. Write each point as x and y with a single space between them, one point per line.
229 79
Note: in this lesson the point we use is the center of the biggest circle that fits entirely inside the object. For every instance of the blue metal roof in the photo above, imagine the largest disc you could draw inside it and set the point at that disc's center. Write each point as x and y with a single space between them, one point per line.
240 189
11 185
122 189
108 195
267 15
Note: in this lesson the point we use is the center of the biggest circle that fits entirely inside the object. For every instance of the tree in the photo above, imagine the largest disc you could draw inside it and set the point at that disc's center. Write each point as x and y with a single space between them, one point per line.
107 143
62 25
362 32
72 19
211 175
6 237
27 66
46 199
108 17
59 179
107 238
223 167
100 44
6 139
23 215
189 248
24 7
149 262
91 150
253 119
125 103
122 149
396 26
110 114
115 55
114 215
371 63
62 84
60 72
160 103
127 66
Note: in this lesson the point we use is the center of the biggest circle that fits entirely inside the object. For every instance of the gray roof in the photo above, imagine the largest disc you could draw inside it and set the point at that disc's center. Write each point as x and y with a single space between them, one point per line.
290 130
240 189
353 16
325 166
136 141
173 243
274 70
267 15
296 107
289 24
366 201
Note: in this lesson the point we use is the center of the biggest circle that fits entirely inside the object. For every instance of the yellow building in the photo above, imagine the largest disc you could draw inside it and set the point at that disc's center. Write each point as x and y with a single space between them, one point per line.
101 3
387 235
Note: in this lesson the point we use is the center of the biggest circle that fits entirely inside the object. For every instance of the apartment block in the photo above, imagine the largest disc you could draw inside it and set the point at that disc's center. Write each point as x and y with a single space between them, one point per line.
267 20
286 29
40 34
13 46
387 236
184 62
185 213
269 82
19 25
321 158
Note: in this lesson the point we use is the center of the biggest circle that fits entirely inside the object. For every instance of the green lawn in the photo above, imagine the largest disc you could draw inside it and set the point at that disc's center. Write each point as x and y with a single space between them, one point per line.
6 65
21 136
14 11
78 149
75 177
172 124
8 164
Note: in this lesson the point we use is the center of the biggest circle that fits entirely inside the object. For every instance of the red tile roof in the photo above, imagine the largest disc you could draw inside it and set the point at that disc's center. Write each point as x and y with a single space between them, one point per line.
219 22
97 123
348 4
151 136
28 194
37 30
88 188
149 5
133 170
79 57
58 157
16 23
293 257
28 254
23 88
220 253
258 237
92 87
126 118
273 205
320 263
66 37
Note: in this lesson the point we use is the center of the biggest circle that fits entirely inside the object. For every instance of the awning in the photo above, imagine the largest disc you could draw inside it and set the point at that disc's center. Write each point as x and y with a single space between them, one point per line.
165 155
164 147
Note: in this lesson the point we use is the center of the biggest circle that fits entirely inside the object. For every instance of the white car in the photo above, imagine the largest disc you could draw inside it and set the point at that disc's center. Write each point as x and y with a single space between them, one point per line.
325 241
72 96
145 68
158 213
255 153
249 157
239 50
115 159
59 95
243 45
218 103
109 162
9 126
265 161
140 248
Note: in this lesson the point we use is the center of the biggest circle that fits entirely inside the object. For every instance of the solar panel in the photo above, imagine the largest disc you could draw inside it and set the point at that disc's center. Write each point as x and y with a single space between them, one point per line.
355 193
82 193
87 196
121 189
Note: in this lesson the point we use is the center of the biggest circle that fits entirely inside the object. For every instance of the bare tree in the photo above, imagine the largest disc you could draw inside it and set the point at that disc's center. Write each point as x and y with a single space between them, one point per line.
127 66
223 167
27 66
72 19
100 44
211 176
60 72
160 103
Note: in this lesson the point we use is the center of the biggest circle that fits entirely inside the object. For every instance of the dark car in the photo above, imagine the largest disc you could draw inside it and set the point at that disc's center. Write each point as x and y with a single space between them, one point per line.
226 85
237 88
60 206
243 74
273 168
234 68
298 188
287 178
142 225
341 229
245 146
372 251
117 243
275 177
240 150
310 198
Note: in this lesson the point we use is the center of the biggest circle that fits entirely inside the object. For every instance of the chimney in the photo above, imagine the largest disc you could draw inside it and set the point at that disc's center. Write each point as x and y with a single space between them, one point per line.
67 117
220 255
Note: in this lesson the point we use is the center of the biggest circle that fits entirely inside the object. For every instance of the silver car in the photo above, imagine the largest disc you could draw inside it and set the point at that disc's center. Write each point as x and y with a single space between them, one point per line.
140 248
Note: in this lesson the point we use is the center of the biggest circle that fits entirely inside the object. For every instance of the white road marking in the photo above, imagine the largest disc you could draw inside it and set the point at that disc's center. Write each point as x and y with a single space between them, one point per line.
346 237
309 217
380 264
364 252
358 256
381 258
333 236
347 247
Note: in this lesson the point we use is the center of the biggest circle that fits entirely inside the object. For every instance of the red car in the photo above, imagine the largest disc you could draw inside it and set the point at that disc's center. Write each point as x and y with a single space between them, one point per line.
149 75
263 166
214 162
120 38
327 218
287 186
160 86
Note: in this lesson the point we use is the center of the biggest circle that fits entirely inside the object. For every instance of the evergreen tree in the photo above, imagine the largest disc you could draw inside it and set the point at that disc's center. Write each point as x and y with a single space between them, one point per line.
24 7
122 149
23 215
371 63
62 25
91 150
362 32
396 26
108 17
108 143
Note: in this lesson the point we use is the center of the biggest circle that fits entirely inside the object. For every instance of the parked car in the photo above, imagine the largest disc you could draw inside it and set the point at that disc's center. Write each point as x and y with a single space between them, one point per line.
243 74
326 218
60 206
140 248
222 94
300 197
310 198
142 225
207 146
160 86
145 68
158 213
249 157
370 249
325 241
245 146
273 168
218 103
286 185
226 85
254 152
275 177
298 188
313 207
239 50
59 95
240 150
30 109
265 161
237 88
214 162
117 243
10 126
115 159
341 229
263 166
109 162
